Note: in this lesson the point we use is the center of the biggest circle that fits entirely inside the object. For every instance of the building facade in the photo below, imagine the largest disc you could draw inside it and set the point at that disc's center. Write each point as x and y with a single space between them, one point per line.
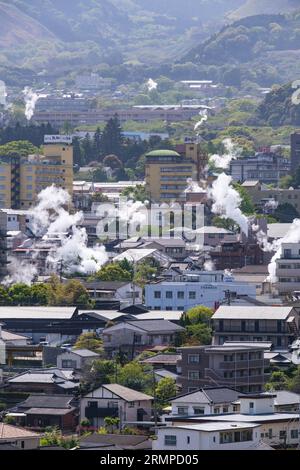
288 269
242 368
22 178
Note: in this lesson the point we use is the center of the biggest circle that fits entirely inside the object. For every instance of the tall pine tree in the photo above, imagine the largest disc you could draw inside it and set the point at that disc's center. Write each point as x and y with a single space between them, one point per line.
112 138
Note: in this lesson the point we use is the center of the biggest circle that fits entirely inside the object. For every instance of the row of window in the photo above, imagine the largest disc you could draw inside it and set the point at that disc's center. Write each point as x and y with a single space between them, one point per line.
180 294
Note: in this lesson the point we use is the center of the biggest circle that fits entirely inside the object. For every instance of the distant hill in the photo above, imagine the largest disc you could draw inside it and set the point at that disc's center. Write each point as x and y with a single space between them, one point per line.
264 7
278 109
262 49
53 33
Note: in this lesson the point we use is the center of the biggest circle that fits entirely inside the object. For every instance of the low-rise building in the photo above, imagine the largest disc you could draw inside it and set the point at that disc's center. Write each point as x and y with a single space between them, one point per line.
194 288
276 324
208 436
76 359
44 381
18 438
133 337
114 400
288 269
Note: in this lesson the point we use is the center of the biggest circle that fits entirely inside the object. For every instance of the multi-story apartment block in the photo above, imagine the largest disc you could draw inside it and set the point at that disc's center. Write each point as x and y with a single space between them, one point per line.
288 268
265 198
265 166
22 178
240 367
167 172
278 325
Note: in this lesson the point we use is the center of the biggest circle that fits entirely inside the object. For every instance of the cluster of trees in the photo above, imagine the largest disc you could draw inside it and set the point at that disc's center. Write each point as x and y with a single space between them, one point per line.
124 271
197 324
285 380
109 148
52 293
33 134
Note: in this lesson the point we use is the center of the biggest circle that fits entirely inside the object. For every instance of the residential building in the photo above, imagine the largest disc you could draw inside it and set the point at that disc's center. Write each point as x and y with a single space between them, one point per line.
168 361
206 401
241 368
265 166
236 254
22 178
295 152
42 411
18 438
194 288
48 381
208 436
267 199
278 430
276 324
124 292
76 359
113 400
133 337
288 269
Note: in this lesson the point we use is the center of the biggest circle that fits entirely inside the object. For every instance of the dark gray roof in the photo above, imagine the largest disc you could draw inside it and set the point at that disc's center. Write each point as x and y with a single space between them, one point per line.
117 439
166 242
283 397
84 353
210 395
156 326
163 358
47 401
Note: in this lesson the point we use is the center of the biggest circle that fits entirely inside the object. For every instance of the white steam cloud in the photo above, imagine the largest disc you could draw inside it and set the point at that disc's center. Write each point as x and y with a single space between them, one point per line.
227 201
31 98
232 153
209 265
204 117
50 218
151 85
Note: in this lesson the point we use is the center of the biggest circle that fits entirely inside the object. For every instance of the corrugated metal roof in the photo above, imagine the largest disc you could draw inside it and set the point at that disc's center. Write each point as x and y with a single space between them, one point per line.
252 312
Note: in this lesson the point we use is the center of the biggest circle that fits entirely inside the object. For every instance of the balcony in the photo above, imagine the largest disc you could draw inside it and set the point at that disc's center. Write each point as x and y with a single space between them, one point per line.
93 412
232 365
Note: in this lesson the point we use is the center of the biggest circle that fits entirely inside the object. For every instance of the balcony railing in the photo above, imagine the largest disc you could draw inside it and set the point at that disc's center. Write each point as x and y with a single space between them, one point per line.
91 412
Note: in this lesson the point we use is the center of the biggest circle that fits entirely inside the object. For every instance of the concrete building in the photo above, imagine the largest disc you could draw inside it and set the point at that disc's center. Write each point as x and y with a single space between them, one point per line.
190 289
277 324
208 436
22 178
265 198
240 367
288 269
167 172
265 166
278 430
113 400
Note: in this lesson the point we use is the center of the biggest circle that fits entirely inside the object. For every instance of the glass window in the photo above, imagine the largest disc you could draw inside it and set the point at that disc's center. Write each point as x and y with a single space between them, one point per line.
180 295
193 359
294 433
171 441
169 294
192 295
157 294
182 410
193 374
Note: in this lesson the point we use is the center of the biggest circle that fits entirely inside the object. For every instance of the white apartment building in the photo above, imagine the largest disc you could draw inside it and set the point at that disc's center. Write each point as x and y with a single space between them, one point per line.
208 436
206 288
288 268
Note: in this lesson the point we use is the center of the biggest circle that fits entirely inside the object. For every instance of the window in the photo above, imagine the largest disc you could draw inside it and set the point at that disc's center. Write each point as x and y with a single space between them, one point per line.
68 364
22 444
192 295
225 409
294 434
169 294
270 433
157 294
131 404
182 410
171 441
193 374
188 440
193 359
92 404
216 410
180 295
282 434
199 410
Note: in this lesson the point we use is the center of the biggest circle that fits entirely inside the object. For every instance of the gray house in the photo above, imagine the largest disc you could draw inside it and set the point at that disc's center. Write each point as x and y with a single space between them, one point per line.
76 359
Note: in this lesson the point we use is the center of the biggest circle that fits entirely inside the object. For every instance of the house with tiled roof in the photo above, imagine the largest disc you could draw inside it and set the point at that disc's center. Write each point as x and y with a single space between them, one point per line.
17 437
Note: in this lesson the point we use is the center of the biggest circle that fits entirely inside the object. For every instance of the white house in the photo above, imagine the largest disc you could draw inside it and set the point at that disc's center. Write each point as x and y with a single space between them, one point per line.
114 400
206 401
208 436
275 429
207 288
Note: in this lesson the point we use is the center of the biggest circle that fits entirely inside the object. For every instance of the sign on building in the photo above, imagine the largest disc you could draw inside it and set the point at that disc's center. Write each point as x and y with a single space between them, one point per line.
58 139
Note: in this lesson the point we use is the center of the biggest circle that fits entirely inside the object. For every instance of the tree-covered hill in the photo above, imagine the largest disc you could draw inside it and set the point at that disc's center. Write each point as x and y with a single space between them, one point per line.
278 107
